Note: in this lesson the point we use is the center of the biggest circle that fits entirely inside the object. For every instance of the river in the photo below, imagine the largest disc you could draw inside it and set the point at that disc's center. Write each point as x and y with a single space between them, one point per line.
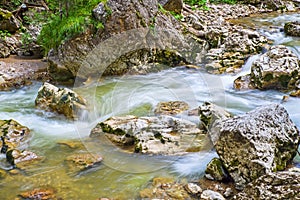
121 175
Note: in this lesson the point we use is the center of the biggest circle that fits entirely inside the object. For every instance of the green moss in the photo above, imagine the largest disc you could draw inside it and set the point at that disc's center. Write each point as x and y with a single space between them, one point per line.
268 77
284 80
107 129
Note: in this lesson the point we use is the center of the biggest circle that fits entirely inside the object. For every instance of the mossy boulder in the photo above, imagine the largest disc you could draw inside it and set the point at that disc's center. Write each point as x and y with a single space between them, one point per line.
261 141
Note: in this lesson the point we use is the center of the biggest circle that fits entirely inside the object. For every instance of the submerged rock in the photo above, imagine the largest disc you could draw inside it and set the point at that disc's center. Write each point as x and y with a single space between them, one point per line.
258 142
165 188
13 135
276 69
292 28
80 162
153 135
211 195
171 107
272 186
39 193
61 100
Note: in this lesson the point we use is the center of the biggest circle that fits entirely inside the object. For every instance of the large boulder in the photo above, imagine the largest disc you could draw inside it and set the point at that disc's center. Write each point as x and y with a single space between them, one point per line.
258 142
276 69
152 135
127 43
292 28
8 22
272 186
61 100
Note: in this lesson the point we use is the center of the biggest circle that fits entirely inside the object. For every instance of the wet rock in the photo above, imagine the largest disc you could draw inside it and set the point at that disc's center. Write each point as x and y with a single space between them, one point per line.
13 135
256 143
164 188
211 195
80 162
21 159
279 185
216 170
276 69
243 83
152 135
211 115
175 6
193 188
8 21
228 192
171 107
292 28
39 193
72 144
61 100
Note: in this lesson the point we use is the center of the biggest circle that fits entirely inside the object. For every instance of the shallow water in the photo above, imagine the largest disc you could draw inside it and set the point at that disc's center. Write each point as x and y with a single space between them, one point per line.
122 175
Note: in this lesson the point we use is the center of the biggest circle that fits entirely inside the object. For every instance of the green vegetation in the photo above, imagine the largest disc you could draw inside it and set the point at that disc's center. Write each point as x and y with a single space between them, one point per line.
4 34
224 1
68 19
164 11
199 3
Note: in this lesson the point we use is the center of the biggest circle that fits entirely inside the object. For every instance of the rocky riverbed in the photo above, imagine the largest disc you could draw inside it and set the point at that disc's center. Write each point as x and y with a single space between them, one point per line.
157 135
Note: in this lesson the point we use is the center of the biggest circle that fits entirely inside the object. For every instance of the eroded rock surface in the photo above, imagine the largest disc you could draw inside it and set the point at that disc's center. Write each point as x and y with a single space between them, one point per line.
279 185
292 28
261 141
60 100
171 107
152 135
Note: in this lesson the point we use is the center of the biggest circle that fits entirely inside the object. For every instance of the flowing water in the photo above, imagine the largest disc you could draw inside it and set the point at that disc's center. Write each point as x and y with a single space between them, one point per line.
121 175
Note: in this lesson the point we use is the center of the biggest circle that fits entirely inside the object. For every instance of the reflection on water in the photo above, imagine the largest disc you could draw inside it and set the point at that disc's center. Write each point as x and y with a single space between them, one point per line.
122 175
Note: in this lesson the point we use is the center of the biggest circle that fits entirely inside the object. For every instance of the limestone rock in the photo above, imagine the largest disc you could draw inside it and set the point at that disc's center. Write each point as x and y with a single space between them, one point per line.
13 135
193 188
216 170
100 13
279 185
171 107
39 193
292 28
8 21
60 100
256 143
175 6
211 195
21 159
80 162
243 83
276 69
153 135
211 115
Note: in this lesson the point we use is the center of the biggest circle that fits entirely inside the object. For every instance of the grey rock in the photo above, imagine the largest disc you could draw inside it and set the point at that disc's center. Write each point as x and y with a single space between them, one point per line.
258 142
60 100
100 13
152 135
276 69
211 195
272 186
211 115
193 188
